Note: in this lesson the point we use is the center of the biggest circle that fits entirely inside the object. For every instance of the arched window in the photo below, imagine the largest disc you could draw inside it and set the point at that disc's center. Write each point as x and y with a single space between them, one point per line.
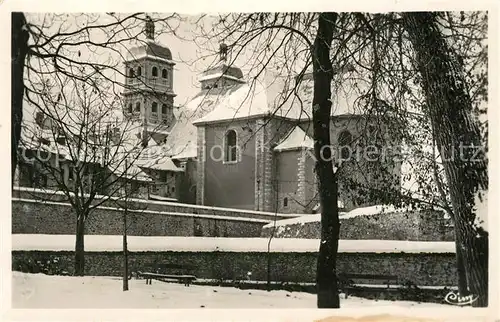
164 73
231 148
154 72
130 107
154 107
138 106
164 109
131 73
285 202
139 71
345 140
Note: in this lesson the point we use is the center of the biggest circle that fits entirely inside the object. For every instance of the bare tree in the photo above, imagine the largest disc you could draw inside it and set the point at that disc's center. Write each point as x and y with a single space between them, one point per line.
19 49
450 110
376 51
73 77
77 144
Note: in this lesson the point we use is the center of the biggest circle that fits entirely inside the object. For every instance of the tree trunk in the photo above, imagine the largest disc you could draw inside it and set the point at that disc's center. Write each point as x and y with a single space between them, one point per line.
19 49
326 276
80 246
461 272
125 251
450 110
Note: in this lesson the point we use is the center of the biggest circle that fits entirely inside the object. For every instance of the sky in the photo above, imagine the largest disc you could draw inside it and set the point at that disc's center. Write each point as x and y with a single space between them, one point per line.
191 54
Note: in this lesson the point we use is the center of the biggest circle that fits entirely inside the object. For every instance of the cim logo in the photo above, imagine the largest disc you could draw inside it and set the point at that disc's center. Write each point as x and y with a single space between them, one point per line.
456 299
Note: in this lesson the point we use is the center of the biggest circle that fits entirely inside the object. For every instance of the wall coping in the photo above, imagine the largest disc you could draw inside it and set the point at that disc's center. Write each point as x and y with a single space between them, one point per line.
149 212
166 203
113 243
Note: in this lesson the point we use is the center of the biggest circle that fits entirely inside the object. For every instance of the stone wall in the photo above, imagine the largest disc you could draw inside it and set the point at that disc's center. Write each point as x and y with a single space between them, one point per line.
35 217
420 268
418 226
163 206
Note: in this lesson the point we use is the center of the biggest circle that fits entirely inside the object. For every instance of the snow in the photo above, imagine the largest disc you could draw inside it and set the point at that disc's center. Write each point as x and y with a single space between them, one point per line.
299 220
369 211
296 138
182 141
146 56
217 76
96 243
481 210
246 100
161 198
161 163
37 291
363 211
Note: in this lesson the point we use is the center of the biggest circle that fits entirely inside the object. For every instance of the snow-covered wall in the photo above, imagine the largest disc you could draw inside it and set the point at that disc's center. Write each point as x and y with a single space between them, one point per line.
291 260
48 195
370 223
35 217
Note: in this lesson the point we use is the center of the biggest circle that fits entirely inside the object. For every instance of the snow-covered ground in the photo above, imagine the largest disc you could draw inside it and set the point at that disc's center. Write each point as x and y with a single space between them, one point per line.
96 243
63 292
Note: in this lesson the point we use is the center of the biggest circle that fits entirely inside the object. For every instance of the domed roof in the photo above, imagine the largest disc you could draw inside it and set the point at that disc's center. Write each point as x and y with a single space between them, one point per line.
150 49
223 69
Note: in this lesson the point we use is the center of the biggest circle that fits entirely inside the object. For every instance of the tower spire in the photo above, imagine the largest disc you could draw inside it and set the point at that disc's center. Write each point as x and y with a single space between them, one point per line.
223 52
150 28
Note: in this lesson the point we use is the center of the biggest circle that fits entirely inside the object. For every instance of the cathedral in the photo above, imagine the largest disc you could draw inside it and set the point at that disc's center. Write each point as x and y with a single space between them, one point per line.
239 143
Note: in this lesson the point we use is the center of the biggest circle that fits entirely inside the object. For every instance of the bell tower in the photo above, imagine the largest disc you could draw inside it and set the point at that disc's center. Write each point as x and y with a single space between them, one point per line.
149 93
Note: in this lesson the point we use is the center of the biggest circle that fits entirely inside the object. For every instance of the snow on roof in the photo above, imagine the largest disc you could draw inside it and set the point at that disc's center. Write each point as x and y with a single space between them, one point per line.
279 96
245 100
163 164
109 243
181 143
296 138
362 211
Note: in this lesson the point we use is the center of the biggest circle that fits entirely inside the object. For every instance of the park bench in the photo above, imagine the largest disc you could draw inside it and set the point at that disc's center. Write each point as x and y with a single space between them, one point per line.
168 272
347 281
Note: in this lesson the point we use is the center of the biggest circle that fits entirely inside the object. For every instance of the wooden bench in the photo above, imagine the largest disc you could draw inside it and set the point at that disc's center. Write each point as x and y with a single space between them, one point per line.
166 272
346 281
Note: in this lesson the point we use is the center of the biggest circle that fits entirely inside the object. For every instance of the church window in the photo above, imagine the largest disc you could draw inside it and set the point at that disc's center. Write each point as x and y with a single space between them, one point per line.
285 202
138 107
130 107
131 73
154 107
344 142
231 148
139 71
164 73
154 72
164 109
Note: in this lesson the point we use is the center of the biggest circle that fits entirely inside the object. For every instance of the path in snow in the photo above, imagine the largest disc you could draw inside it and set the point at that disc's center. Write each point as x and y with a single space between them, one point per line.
63 292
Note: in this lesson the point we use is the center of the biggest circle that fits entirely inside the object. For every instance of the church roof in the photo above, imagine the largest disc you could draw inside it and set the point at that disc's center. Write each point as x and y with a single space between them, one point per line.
222 70
151 50
278 96
295 139
181 142
163 164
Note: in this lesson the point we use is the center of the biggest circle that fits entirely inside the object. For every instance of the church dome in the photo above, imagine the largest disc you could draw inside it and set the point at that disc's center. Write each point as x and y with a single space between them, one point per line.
150 48
223 70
